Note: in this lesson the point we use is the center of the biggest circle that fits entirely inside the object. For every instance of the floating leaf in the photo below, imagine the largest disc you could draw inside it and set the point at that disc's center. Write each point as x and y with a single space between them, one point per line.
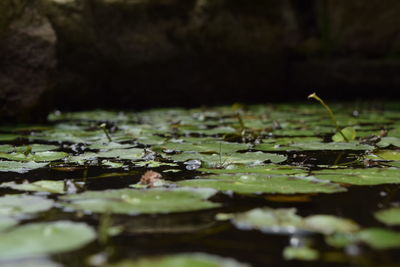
328 224
348 132
379 238
7 222
131 201
300 253
37 239
388 141
182 260
33 148
30 262
253 183
331 146
269 169
388 154
286 221
19 205
109 146
38 156
369 176
389 216
206 147
19 167
38 186
211 161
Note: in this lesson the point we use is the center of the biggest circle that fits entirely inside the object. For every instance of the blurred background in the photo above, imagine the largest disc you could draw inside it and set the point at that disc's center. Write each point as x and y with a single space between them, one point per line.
136 54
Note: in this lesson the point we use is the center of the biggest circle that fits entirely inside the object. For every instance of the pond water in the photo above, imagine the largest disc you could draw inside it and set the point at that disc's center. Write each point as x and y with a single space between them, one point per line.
220 186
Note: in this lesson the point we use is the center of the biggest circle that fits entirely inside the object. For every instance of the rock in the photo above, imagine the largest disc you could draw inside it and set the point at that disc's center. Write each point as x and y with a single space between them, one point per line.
192 52
27 59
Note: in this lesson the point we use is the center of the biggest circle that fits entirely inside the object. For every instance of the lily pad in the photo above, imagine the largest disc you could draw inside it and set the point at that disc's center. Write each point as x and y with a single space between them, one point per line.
20 205
38 156
7 222
388 154
182 260
300 253
212 161
331 146
131 201
31 262
37 239
38 186
269 169
206 147
387 141
109 146
32 148
286 221
369 176
256 184
19 167
348 132
389 216
379 238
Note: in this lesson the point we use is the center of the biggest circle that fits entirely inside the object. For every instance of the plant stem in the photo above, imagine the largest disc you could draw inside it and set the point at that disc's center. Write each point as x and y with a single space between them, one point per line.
330 112
103 126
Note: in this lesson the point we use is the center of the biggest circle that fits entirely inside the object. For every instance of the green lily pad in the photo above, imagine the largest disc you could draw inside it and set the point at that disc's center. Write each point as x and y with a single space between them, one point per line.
206 147
212 161
269 169
38 156
387 141
369 176
20 167
257 184
8 137
389 216
125 154
300 253
388 154
7 222
31 262
109 146
331 146
37 239
348 132
38 186
182 260
379 238
34 148
130 201
20 205
286 221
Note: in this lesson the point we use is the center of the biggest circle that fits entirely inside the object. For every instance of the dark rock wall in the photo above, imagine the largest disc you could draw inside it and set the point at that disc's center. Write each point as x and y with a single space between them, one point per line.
81 54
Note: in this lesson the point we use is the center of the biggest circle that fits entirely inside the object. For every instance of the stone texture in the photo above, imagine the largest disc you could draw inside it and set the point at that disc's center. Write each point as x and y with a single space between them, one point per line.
82 54
27 60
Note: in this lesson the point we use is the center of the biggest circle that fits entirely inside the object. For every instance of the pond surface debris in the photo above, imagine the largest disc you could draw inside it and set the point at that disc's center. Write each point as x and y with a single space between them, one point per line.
222 186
